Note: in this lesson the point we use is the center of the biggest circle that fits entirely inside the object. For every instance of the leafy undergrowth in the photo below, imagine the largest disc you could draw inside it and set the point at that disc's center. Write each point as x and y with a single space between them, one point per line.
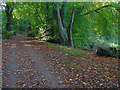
67 50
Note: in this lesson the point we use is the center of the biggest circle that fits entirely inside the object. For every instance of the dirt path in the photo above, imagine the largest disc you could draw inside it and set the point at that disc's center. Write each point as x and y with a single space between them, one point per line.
32 64
23 67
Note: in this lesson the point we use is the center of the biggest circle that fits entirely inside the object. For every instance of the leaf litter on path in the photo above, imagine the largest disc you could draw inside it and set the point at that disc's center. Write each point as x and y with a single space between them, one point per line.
88 71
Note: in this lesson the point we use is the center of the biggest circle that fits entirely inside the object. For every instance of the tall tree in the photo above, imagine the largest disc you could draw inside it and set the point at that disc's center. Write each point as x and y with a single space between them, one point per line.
9 9
70 41
65 35
61 28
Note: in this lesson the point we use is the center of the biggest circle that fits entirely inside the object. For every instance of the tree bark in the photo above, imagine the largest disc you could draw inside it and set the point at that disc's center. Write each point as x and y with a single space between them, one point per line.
62 12
9 11
61 29
70 41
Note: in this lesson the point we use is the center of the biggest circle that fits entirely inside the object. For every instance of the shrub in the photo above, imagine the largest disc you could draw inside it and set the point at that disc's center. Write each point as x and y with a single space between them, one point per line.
6 34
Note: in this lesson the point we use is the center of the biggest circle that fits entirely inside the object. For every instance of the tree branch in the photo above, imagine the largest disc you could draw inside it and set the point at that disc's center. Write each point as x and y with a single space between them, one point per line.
70 41
96 10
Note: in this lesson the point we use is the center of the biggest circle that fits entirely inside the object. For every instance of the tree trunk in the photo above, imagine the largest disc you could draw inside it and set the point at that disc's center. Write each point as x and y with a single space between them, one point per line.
61 29
49 21
70 41
106 51
62 12
9 11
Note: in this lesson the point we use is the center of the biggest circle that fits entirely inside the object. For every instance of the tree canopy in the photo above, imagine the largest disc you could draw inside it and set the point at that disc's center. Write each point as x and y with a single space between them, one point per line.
74 24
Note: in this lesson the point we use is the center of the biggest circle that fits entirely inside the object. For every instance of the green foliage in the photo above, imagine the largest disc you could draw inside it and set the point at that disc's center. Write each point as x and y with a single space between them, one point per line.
66 50
6 34
97 26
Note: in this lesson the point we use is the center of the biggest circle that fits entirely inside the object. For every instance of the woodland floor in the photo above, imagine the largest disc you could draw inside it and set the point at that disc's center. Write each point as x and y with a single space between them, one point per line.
31 63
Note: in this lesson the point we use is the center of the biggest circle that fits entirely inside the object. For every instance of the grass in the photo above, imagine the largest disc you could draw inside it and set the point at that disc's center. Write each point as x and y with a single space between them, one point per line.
67 50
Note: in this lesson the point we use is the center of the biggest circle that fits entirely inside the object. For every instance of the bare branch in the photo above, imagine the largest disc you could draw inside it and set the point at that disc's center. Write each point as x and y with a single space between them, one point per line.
96 10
